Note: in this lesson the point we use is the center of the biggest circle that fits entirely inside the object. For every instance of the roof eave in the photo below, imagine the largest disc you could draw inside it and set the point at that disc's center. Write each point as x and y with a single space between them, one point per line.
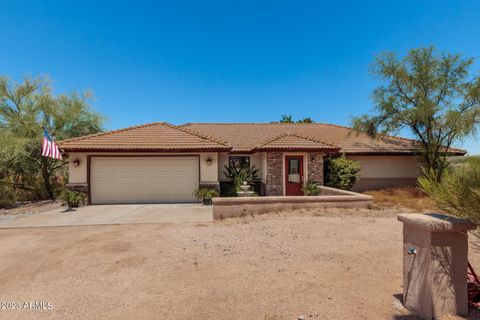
147 150
299 149
396 153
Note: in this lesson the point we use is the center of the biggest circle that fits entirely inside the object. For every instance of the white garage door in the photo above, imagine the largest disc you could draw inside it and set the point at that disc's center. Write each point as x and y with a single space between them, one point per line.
143 179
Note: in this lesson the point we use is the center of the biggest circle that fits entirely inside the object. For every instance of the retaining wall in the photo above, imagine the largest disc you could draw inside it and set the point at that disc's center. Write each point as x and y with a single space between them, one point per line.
329 198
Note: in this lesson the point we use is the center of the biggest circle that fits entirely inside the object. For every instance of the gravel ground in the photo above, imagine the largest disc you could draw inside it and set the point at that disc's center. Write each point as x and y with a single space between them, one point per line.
333 264
28 208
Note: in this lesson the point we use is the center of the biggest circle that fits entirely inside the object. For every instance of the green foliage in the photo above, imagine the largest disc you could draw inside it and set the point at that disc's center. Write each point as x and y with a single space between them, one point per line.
311 188
239 175
458 191
305 120
341 172
7 196
73 198
206 193
24 109
287 118
460 160
430 94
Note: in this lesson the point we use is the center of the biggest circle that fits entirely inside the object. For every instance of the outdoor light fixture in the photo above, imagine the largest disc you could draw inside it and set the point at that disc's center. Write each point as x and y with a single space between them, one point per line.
209 161
312 159
76 163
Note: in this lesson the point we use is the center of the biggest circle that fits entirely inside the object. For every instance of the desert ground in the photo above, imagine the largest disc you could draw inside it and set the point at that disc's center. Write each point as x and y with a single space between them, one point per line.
322 264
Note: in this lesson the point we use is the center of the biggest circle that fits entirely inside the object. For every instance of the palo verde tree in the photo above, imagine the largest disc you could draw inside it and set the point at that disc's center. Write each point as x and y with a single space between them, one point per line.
433 95
24 109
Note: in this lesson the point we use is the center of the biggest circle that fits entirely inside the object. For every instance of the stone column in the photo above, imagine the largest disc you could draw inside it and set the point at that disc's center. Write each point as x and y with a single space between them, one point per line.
274 181
315 167
435 248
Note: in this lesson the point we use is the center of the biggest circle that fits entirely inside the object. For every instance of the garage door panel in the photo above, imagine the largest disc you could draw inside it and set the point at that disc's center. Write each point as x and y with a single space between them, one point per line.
143 179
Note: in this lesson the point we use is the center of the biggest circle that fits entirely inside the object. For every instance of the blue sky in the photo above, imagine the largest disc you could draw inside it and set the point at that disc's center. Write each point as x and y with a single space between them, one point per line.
230 61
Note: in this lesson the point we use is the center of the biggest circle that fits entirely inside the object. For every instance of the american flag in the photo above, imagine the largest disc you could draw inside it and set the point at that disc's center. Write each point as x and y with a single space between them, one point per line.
49 147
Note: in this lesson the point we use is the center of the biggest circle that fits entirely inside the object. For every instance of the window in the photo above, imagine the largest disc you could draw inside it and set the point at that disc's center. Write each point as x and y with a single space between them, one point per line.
239 162
294 170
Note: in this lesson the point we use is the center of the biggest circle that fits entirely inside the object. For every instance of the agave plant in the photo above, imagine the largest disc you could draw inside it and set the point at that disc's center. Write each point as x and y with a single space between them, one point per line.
311 188
240 175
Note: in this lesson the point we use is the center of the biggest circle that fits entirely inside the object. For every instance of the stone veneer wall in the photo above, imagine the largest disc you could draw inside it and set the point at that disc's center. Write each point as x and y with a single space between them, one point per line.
274 181
315 167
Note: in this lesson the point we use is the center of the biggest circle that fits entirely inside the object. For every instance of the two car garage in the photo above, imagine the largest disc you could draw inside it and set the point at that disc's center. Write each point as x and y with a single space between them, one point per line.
143 179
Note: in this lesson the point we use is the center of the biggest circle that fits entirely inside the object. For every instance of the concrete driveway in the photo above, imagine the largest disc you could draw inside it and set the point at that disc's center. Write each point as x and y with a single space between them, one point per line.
112 214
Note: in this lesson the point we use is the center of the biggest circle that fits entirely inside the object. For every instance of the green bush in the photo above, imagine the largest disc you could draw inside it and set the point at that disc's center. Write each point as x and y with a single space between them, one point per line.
7 197
458 192
72 198
311 188
341 172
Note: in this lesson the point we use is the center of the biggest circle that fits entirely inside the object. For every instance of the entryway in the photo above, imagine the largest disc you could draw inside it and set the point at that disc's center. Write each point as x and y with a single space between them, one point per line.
293 175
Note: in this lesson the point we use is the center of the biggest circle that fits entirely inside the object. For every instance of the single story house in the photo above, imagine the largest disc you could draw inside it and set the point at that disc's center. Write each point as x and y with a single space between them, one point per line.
160 162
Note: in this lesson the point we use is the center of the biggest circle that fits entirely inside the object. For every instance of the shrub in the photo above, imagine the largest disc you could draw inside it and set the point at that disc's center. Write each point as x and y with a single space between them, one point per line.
458 192
72 198
341 172
7 196
311 188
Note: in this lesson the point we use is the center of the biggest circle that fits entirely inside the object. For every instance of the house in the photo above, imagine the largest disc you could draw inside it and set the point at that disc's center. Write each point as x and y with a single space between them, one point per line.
160 162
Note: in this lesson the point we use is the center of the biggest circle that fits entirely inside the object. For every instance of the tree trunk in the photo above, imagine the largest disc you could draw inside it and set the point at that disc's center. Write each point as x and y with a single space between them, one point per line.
46 180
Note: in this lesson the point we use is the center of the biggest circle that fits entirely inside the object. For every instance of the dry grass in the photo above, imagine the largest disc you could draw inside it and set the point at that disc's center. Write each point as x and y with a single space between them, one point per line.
411 198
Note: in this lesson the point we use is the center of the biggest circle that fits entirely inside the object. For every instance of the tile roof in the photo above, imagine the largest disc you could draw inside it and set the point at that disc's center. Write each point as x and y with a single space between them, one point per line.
158 136
241 137
291 141
244 137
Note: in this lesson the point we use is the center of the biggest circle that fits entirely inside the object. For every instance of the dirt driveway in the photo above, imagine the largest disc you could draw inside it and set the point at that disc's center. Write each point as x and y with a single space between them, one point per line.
317 264
111 214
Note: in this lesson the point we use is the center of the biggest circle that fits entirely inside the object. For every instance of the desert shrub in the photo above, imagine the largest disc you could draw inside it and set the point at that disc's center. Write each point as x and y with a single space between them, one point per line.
73 198
458 192
341 172
7 196
311 188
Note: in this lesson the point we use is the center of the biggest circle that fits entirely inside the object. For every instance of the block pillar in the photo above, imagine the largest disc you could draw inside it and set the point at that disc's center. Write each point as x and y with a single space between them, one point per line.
435 263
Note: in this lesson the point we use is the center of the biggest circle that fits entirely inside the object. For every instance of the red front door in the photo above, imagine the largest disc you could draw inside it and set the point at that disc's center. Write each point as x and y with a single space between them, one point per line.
293 175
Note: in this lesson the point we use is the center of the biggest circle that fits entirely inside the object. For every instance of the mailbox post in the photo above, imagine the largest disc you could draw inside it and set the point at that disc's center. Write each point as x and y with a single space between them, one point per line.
435 249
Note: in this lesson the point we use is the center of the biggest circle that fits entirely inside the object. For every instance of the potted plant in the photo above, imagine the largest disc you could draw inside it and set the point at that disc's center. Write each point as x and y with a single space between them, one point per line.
206 195
311 188
72 198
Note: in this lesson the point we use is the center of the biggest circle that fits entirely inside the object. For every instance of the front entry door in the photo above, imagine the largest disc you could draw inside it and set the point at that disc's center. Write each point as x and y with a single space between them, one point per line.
293 175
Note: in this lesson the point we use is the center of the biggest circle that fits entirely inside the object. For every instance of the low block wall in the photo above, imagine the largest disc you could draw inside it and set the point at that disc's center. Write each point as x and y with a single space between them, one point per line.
330 198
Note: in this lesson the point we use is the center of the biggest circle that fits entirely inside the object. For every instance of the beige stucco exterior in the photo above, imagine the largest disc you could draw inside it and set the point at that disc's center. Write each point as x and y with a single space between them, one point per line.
376 171
78 175
386 171
388 166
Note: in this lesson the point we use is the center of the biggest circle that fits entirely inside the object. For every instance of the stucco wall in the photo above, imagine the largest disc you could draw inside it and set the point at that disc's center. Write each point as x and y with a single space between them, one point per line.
379 172
388 166
78 175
